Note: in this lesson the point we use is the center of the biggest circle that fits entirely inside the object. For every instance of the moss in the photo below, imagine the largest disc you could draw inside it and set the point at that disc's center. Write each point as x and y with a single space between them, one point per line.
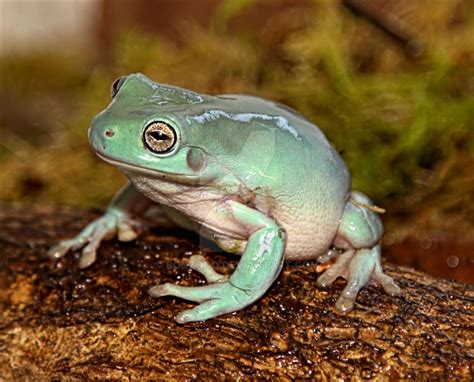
404 125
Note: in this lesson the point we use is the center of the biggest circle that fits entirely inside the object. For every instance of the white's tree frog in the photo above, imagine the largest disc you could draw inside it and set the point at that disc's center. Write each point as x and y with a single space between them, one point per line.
252 175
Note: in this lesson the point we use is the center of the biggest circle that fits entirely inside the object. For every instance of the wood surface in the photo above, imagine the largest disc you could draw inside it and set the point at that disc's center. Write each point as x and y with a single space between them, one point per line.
61 323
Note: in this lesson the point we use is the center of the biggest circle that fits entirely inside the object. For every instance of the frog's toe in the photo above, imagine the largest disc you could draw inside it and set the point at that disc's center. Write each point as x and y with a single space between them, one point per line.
338 269
204 311
128 231
359 273
200 264
196 294
59 250
88 255
387 282
345 302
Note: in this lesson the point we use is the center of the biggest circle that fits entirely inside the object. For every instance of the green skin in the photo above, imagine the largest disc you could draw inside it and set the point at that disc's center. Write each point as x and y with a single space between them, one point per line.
253 176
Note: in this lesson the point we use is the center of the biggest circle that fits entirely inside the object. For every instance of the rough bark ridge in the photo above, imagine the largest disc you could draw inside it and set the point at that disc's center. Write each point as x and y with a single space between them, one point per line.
60 323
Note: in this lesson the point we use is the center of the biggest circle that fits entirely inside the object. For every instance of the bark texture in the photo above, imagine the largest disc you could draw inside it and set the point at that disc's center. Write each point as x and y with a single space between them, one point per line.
60 323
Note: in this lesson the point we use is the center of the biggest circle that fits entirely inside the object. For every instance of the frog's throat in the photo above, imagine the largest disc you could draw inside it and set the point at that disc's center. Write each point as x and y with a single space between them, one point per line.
170 176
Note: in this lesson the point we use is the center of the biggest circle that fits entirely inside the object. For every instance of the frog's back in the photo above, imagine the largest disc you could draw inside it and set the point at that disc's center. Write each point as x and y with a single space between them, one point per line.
293 144
300 178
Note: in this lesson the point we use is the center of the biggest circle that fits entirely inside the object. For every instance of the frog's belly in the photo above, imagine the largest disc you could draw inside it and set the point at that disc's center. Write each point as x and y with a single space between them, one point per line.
310 220
309 234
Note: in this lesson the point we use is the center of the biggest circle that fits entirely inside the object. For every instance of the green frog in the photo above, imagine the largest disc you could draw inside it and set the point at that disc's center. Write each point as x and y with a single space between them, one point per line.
252 175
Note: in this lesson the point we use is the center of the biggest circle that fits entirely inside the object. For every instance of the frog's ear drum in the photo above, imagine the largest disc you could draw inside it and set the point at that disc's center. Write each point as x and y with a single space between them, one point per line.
159 137
116 86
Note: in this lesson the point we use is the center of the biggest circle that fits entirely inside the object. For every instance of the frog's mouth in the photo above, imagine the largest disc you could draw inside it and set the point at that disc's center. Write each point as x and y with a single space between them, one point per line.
128 168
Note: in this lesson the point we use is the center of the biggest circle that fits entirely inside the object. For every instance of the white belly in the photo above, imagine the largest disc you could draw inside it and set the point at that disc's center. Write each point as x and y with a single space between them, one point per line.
310 228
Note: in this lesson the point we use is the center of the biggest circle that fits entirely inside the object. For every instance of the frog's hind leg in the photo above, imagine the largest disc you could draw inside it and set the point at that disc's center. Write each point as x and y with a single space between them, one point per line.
358 236
258 268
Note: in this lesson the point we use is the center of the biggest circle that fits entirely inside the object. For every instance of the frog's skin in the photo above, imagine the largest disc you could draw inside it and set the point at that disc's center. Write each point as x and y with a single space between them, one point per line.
253 176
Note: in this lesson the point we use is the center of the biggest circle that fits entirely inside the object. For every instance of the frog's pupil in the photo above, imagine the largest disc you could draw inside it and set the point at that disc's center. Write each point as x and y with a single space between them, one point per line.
159 136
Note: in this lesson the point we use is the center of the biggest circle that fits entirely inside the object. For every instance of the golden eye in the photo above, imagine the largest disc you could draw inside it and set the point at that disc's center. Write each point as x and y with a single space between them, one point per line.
159 137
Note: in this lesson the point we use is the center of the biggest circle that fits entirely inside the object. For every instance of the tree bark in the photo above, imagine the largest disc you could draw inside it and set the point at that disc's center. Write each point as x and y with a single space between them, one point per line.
61 323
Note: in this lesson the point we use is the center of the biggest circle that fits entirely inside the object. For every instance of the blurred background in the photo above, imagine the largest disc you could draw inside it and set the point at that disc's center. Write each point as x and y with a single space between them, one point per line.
390 82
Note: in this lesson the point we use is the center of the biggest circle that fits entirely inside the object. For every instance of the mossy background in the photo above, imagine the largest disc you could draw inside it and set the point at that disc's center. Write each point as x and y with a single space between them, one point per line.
402 118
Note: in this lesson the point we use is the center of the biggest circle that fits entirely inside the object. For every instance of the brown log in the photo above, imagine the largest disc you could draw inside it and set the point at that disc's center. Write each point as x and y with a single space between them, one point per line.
61 323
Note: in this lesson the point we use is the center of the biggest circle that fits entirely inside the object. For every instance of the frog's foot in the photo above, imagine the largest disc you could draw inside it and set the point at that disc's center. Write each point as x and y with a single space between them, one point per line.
360 263
215 306
215 299
212 297
359 267
113 222
258 268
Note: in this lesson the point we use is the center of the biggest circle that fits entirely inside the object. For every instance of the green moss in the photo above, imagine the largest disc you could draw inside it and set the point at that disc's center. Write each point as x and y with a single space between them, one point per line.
405 125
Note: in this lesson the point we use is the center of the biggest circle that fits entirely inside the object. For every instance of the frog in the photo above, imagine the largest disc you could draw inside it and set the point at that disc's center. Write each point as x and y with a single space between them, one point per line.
252 175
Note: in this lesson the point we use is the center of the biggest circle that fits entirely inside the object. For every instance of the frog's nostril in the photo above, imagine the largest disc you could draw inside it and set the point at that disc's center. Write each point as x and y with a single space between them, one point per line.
109 133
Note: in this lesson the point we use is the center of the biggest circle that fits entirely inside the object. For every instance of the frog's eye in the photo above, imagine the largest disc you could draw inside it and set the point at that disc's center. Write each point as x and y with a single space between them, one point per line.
116 86
159 137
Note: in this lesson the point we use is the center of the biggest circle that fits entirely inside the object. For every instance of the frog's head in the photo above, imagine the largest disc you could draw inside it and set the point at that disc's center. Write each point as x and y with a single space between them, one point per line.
144 131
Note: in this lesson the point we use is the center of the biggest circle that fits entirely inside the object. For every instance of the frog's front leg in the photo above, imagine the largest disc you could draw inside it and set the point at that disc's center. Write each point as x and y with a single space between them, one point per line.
258 268
119 219
358 236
